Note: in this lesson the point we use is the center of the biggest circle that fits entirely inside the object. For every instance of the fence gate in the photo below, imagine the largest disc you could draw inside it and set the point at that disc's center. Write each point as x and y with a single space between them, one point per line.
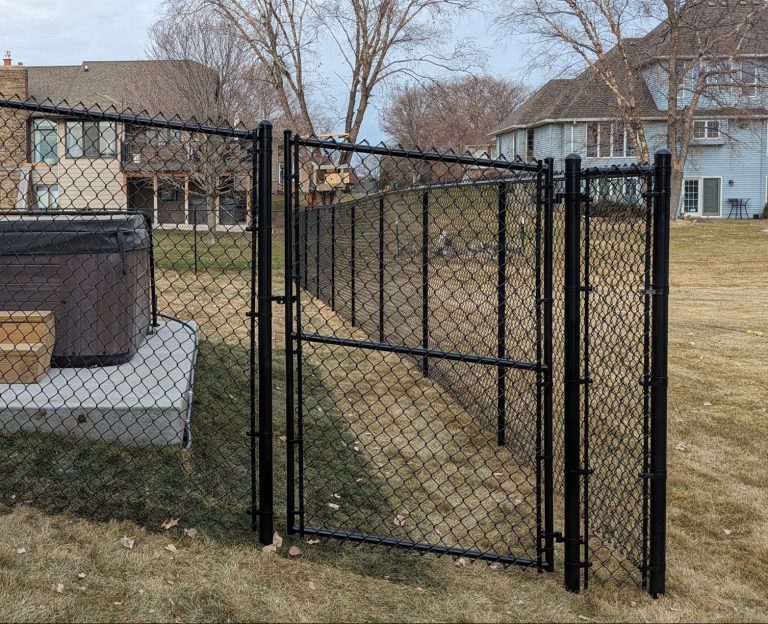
416 331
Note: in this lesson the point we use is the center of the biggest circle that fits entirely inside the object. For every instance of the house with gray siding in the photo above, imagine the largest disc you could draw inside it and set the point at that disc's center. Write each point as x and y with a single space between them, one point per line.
728 156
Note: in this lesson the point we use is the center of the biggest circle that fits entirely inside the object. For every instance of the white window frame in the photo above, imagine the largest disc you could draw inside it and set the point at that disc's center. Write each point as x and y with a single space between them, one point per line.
627 146
52 193
709 124
700 208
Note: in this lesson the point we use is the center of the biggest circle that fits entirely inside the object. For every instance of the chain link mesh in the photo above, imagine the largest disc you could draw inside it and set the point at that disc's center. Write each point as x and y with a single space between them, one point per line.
127 236
420 344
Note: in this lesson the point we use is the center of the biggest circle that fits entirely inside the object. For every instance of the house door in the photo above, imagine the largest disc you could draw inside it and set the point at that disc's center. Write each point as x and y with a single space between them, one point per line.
702 196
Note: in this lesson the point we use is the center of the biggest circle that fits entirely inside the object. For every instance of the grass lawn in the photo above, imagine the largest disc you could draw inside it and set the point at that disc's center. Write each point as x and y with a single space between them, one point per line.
718 508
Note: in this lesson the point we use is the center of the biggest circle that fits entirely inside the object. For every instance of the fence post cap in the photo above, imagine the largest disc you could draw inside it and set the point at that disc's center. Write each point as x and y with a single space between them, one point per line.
663 152
572 156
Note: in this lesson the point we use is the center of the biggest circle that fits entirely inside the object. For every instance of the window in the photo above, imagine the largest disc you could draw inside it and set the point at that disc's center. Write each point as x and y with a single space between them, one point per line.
46 197
529 144
91 139
748 78
45 142
706 129
691 196
608 139
719 74
167 192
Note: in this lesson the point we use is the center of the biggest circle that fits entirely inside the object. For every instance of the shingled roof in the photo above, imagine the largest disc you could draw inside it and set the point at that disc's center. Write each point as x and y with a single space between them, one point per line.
110 84
584 97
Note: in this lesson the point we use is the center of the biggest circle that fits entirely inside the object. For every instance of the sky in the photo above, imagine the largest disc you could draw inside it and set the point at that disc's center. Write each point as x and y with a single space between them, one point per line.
67 32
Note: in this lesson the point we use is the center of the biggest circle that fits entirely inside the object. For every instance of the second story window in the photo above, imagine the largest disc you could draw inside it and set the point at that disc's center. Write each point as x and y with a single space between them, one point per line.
45 141
91 139
706 129
608 139
748 78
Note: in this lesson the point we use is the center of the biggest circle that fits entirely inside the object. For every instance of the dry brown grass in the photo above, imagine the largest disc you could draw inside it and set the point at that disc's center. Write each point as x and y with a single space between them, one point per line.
719 408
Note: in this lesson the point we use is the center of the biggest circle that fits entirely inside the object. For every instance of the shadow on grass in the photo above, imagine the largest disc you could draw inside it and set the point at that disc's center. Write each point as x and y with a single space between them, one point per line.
207 486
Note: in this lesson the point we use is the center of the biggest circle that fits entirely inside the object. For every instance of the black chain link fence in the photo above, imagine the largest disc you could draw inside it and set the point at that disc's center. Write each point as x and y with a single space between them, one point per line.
421 351
419 342
125 281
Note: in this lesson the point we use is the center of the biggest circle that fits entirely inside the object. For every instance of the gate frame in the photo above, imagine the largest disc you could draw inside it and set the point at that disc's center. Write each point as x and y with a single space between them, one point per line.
574 450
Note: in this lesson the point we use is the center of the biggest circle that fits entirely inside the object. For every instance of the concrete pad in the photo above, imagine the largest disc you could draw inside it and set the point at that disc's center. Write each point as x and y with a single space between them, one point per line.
145 400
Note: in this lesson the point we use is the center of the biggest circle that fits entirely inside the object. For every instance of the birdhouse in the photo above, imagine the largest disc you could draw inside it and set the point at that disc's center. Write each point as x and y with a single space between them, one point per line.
327 178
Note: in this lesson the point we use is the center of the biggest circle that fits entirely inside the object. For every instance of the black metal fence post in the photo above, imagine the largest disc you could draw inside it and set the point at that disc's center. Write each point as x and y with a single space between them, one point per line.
333 257
425 279
264 233
290 347
660 339
501 291
352 268
549 197
572 375
381 268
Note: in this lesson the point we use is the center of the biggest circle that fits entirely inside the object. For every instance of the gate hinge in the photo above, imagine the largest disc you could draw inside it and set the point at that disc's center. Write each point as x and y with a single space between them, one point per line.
586 289
585 472
251 228
282 299
586 380
652 475
560 197
252 314
558 537
543 300
652 292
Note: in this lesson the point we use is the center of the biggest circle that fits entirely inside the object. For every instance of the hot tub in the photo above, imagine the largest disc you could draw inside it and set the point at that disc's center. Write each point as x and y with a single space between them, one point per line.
93 272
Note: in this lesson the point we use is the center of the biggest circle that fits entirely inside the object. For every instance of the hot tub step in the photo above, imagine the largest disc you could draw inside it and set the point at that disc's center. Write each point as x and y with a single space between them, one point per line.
26 345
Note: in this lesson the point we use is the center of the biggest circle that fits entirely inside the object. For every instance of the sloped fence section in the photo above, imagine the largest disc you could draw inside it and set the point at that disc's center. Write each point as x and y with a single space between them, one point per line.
466 355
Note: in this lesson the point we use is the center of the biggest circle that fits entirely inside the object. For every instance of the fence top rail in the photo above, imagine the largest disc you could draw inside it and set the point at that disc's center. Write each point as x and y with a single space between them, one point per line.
612 171
422 188
417 154
96 113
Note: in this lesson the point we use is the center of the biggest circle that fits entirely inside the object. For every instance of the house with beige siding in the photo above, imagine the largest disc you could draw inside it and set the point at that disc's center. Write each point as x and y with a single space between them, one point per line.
52 163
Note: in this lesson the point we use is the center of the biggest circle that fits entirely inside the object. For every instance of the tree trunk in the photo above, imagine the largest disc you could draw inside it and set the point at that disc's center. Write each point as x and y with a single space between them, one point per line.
676 183
210 209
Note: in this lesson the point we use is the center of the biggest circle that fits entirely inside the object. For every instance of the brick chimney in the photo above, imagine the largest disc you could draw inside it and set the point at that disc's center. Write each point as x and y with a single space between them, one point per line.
14 80
14 85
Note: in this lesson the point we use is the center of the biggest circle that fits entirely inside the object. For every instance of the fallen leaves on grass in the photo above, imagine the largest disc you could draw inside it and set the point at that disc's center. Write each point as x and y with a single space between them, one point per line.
128 542
59 588
681 447
461 562
313 541
400 520
190 533
169 524
294 551
21 551
727 531
333 506
171 548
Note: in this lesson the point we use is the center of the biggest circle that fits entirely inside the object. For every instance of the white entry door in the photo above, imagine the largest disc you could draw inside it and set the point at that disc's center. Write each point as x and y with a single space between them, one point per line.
702 196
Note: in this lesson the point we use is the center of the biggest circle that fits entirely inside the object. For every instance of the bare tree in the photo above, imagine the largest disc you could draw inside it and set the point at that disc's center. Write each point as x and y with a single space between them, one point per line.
209 74
450 114
378 40
702 49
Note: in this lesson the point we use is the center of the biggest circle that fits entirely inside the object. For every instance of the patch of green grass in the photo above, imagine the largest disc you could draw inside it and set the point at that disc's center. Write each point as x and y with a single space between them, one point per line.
185 250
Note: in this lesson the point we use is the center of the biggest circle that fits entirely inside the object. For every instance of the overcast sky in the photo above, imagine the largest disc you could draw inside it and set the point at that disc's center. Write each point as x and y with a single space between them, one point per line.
67 32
